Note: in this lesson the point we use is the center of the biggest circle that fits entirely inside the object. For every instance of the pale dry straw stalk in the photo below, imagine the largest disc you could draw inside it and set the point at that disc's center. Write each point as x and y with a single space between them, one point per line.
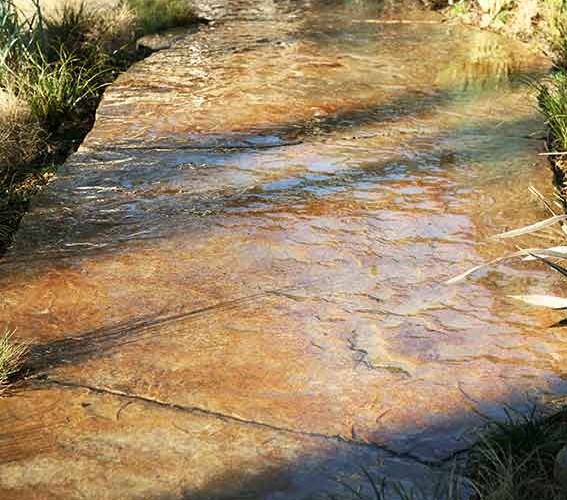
20 133
12 355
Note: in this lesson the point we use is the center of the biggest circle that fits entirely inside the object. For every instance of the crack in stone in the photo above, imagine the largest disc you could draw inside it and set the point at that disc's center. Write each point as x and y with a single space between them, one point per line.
360 355
243 421
196 147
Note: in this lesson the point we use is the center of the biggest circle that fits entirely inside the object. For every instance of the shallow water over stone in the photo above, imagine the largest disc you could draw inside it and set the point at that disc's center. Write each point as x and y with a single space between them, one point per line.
235 287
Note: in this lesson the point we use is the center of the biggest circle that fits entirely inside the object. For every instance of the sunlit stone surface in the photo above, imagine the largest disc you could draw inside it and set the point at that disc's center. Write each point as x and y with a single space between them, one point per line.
234 289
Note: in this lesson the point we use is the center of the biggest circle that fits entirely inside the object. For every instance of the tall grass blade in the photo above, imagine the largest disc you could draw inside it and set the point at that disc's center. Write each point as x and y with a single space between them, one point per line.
373 485
532 253
549 301
553 265
532 228
560 252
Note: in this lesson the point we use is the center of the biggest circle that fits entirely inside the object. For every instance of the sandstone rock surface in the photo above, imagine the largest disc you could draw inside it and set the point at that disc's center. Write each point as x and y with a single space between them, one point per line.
234 288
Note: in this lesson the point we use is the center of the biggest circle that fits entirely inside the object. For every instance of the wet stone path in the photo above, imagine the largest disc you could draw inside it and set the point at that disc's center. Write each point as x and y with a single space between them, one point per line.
234 288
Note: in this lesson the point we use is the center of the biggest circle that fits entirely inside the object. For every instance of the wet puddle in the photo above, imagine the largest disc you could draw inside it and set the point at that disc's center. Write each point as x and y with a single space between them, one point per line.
235 287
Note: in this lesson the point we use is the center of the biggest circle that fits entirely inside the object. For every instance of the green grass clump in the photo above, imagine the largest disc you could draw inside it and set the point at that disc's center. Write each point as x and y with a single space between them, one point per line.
158 15
552 99
12 355
512 460
17 34
50 64
53 90
515 460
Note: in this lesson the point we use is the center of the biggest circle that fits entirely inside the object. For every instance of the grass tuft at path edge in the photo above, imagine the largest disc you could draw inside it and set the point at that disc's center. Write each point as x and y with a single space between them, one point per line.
12 355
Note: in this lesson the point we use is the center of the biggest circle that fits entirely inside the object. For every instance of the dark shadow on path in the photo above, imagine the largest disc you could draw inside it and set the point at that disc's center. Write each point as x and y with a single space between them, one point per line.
75 349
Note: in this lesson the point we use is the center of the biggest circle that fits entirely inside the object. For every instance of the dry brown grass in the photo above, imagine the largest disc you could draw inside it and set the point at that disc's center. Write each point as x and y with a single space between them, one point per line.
51 7
12 355
554 23
543 23
113 22
115 29
20 134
